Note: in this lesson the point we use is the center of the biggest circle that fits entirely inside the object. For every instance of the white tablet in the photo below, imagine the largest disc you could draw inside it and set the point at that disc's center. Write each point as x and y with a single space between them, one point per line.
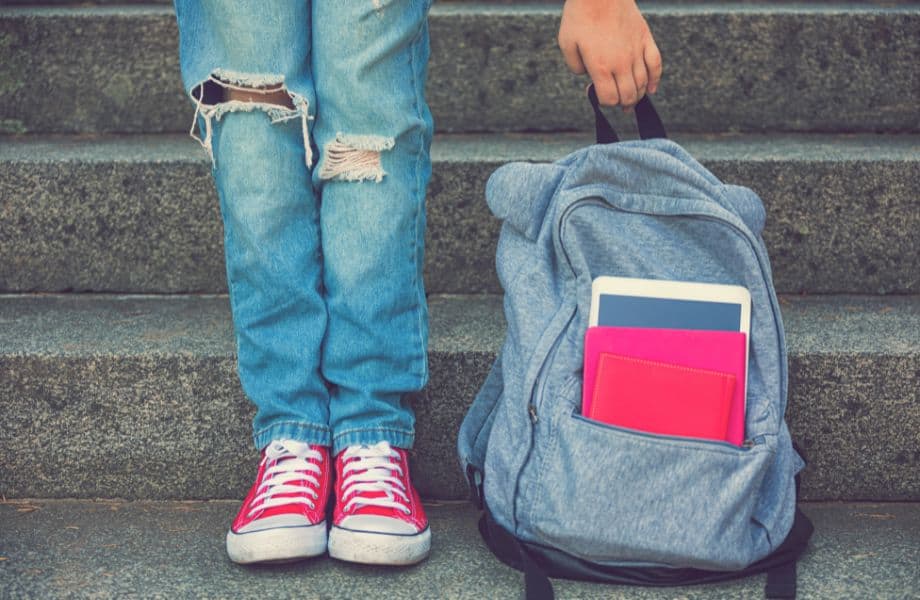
631 302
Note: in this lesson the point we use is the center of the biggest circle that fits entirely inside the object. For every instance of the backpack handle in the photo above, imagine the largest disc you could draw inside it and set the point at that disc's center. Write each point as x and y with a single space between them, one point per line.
647 118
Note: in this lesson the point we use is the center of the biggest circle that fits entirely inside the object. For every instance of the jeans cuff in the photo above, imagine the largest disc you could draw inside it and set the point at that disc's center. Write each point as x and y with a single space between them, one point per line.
355 437
320 435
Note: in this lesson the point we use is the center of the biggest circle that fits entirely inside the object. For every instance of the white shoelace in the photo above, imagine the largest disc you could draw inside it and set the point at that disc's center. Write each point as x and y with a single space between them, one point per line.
374 470
291 473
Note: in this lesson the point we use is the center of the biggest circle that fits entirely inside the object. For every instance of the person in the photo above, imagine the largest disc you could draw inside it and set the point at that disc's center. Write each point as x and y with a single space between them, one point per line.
314 116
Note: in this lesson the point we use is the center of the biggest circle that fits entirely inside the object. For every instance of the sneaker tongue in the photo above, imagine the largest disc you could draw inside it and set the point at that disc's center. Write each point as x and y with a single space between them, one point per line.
281 449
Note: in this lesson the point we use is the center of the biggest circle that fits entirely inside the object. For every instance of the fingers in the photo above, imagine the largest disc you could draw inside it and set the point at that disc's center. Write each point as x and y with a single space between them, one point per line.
640 76
604 84
572 56
626 84
622 85
652 58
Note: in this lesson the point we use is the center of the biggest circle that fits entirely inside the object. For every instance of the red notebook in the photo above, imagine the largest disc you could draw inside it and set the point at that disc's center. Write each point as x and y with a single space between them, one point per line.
722 351
662 398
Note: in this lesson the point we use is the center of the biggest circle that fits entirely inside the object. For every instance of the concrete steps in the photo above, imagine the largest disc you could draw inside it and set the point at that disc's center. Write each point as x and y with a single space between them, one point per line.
176 550
139 214
761 66
137 397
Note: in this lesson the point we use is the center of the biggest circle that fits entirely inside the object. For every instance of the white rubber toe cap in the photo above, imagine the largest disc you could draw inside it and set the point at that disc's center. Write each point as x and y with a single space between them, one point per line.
288 520
377 548
278 543
378 524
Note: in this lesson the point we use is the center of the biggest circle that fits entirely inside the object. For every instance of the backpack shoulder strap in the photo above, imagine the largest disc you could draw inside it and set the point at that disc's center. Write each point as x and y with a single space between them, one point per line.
510 551
782 577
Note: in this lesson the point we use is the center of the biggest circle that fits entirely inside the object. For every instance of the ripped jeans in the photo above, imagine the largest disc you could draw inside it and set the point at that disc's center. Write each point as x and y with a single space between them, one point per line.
323 206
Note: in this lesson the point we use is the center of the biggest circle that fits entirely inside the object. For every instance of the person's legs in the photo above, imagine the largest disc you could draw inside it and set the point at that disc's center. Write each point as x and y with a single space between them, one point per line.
246 64
373 131
249 64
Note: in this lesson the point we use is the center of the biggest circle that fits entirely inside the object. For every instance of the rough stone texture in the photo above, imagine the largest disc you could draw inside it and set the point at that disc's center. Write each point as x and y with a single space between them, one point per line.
496 67
130 214
840 402
176 549
137 397
139 213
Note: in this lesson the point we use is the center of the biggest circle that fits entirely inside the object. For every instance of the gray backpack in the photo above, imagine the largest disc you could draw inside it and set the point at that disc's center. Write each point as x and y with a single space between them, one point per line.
568 497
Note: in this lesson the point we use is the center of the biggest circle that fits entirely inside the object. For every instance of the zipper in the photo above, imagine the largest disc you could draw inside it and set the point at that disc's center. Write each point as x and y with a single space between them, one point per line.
536 396
602 201
536 391
533 413
747 445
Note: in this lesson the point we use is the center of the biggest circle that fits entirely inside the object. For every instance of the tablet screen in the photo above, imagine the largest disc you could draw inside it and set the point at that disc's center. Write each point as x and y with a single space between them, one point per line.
667 313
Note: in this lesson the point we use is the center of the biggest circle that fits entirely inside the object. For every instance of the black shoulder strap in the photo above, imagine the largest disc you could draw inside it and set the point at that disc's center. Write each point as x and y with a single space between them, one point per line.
509 550
781 577
781 581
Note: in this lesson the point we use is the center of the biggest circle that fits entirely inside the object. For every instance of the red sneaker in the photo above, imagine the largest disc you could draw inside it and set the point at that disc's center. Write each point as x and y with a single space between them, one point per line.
284 516
378 517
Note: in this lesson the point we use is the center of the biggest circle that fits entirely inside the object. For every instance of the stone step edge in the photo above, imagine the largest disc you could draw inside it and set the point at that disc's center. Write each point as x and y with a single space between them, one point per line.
706 7
458 323
486 147
859 550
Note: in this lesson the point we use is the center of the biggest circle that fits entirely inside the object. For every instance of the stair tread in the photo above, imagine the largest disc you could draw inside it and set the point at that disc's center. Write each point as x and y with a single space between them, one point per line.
138 213
130 325
498 67
173 549
497 147
514 8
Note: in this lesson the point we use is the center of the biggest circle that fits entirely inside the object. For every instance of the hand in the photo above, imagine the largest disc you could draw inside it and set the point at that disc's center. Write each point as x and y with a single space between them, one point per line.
610 40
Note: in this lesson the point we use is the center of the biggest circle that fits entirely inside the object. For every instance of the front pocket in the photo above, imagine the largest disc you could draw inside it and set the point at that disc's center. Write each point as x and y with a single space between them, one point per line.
617 496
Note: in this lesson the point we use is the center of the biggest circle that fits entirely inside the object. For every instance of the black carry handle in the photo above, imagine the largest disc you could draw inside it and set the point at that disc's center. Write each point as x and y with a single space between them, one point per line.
649 122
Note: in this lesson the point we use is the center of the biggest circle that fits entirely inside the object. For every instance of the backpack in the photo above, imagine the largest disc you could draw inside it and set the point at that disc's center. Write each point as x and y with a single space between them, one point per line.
564 496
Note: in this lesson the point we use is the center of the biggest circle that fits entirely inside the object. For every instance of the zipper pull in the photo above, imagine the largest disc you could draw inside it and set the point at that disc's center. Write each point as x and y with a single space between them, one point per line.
533 413
753 442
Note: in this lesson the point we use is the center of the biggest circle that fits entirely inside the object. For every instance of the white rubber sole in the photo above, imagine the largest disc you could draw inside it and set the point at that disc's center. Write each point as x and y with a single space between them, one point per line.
378 548
277 544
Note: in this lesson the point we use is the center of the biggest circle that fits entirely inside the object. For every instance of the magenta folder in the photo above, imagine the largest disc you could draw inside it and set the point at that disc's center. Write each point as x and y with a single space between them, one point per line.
723 351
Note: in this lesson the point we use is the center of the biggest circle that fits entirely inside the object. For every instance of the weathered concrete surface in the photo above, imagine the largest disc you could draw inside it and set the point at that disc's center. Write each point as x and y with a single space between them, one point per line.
496 67
176 550
139 213
137 397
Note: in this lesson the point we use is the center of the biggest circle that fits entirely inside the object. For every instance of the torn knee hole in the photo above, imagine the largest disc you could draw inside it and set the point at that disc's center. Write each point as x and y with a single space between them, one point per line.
277 96
354 158
228 91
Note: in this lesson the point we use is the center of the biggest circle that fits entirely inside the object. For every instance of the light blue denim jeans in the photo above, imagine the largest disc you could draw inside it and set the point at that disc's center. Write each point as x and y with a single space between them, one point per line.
323 206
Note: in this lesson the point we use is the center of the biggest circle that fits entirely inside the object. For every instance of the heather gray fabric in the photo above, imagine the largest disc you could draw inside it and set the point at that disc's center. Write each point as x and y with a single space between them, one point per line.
614 496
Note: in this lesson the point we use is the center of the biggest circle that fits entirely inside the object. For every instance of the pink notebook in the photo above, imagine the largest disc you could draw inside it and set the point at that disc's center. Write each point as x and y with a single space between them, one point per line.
723 351
662 398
